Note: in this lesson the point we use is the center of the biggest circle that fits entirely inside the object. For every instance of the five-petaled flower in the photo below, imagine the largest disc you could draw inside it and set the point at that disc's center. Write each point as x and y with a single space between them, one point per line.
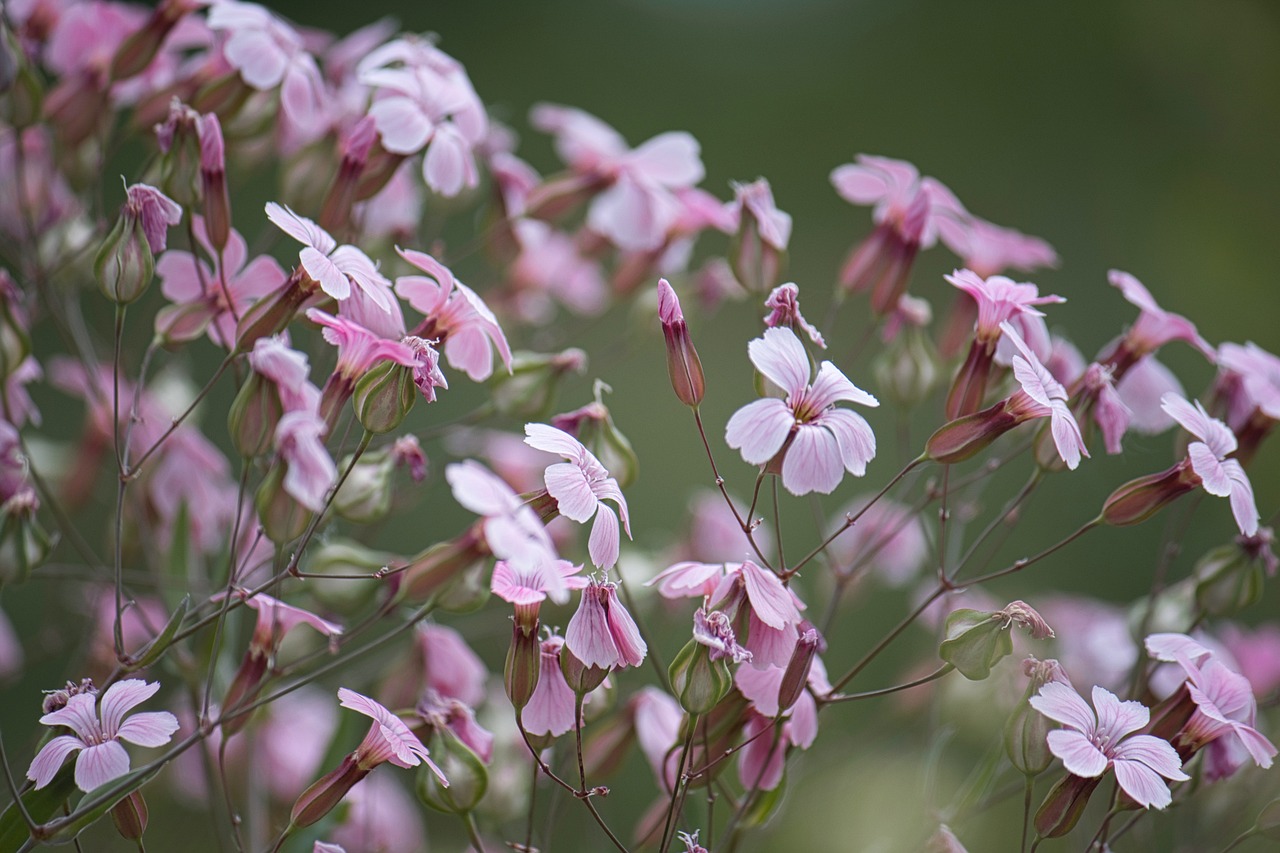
820 441
98 729
1218 475
1094 742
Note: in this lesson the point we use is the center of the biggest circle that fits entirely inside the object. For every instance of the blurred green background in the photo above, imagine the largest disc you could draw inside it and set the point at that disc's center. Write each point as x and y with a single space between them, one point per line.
1139 135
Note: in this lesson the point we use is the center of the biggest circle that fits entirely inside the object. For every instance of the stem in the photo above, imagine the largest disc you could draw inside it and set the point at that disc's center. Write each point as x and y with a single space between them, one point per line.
533 794
1028 788
13 786
473 832
885 691
177 422
745 525
888 638
777 531
1019 565
1239 839
668 827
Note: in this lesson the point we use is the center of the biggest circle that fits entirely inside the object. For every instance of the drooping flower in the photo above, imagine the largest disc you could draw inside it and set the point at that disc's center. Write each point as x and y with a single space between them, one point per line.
154 210
1094 742
769 611
334 267
821 441
1154 327
784 310
310 471
580 487
98 728
550 709
511 528
455 317
388 740
714 630
529 585
1218 475
602 632
762 232
288 369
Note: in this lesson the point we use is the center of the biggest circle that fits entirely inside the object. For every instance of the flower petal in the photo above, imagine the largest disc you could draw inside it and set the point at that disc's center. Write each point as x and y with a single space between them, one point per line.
770 600
48 760
98 765
1060 703
152 728
1077 752
759 429
603 544
568 485
813 462
780 356
122 697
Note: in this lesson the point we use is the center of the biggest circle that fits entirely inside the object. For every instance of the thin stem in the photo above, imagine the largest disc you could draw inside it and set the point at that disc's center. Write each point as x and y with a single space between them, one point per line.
177 422
944 514
1239 839
885 691
473 832
13 788
1013 503
745 525
1028 789
668 827
1019 565
777 532
533 796
888 638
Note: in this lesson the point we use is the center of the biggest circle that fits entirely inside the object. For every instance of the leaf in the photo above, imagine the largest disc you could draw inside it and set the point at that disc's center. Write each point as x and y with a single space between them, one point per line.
160 644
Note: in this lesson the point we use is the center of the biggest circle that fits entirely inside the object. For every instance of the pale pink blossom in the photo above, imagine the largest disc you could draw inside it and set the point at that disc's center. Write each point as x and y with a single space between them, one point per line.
988 249
580 487
407 452
450 666
999 299
87 39
773 611
1043 397
551 707
1155 326
1257 653
455 316
657 718
888 539
1094 644
550 266
359 349
1225 705
309 470
756 201
99 727
380 817
293 740
527 585
203 301
762 759
273 358
1258 373
440 712
154 210
784 310
276 619
512 529
602 632
820 440
1141 390
389 739
714 630
1207 458
639 207
270 55
335 267
1094 742
688 579
892 188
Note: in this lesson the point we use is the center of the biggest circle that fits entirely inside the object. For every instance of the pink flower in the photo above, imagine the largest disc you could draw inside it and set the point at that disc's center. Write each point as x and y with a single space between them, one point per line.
451 668
389 739
1225 704
310 471
99 727
269 54
1257 652
820 440
688 579
999 300
656 718
755 200
1155 326
155 210
200 301
551 265
334 267
602 632
444 712
288 369
1093 743
276 619
1258 373
380 816
771 615
784 310
534 584
639 207
455 316
888 539
580 487
1043 397
550 708
988 249
893 187
714 630
359 349
511 528
1218 475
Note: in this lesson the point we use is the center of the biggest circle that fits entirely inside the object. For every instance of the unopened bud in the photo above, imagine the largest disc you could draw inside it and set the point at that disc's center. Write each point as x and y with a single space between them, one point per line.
435 568
213 178
468 592
593 426
244 687
530 388
1230 578
809 645
467 775
976 640
130 816
1027 730
965 437
24 544
683 364
524 664
907 369
697 681
758 250
124 265
253 416
137 51
283 518
347 558
365 495
384 396
273 312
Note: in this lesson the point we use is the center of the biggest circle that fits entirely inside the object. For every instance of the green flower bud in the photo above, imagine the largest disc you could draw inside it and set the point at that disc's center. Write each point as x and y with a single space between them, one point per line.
437 566
1230 578
467 775
907 369
365 495
1064 805
283 518
523 667
698 682
343 557
253 416
976 641
384 396
529 390
124 266
582 679
24 544
130 816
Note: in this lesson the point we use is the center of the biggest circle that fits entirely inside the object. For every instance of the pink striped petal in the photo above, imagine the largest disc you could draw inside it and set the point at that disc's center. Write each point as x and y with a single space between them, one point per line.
1060 703
152 728
780 356
603 545
401 123
568 485
770 600
813 462
48 760
98 765
759 429
122 697
332 280
1077 752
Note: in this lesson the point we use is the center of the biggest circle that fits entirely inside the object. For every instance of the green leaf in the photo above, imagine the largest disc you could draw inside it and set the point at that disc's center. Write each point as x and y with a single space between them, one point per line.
41 805
160 644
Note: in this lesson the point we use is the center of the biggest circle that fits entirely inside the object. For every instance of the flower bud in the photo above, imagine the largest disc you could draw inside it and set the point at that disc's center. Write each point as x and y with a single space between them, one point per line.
283 518
593 426
179 139
683 364
326 792
24 544
213 180
1268 823
1138 500
467 775
253 416
356 147
758 251
970 385
384 396
976 640
23 104
343 557
130 816
440 564
582 679
1230 578
524 661
137 51
698 682
273 312
965 437
530 388
124 265
907 369
244 688
365 495
468 592
809 645
1064 805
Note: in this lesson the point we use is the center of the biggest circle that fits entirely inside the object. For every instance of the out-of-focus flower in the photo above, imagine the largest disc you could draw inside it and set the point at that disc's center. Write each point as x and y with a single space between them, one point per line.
310 471
511 528
819 442
550 709
98 729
